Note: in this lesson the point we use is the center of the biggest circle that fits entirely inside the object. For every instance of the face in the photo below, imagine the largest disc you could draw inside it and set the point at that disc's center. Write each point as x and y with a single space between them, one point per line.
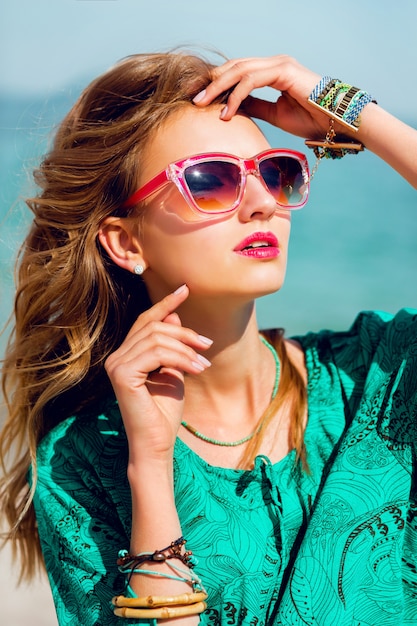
239 255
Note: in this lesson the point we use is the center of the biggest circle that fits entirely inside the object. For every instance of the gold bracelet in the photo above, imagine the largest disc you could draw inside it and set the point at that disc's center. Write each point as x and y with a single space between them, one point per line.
155 601
163 612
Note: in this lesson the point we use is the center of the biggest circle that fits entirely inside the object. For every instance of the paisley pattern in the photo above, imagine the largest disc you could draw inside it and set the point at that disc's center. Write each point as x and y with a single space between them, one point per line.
276 546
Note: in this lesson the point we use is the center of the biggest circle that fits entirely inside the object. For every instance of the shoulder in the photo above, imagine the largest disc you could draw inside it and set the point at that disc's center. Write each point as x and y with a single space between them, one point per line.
373 333
84 434
85 451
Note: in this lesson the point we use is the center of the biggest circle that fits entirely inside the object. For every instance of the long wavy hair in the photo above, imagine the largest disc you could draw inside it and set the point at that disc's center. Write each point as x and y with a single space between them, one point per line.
73 306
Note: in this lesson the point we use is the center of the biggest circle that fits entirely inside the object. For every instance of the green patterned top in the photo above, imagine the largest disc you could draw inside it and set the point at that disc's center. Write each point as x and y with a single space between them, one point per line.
276 546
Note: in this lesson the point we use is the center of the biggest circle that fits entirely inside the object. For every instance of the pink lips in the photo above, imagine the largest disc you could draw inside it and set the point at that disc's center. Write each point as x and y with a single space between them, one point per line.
259 245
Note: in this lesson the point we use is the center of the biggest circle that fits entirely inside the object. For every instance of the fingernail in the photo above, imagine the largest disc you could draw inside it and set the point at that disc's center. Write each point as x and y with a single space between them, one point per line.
205 340
224 112
180 289
202 359
199 96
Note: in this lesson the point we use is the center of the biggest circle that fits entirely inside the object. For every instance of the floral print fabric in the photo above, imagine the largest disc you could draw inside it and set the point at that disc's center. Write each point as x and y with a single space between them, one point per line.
276 545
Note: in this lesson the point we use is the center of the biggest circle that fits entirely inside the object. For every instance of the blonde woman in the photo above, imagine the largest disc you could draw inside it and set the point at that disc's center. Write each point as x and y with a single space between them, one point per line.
173 458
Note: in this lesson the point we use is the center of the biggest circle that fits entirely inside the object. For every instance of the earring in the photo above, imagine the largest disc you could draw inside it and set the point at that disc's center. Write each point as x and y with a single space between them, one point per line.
138 270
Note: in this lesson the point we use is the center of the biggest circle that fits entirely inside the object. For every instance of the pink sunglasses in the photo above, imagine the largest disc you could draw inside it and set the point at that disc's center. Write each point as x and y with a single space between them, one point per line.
213 183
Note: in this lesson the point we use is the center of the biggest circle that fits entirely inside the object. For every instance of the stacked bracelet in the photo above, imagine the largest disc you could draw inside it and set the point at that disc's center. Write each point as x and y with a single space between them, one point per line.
161 607
340 101
164 612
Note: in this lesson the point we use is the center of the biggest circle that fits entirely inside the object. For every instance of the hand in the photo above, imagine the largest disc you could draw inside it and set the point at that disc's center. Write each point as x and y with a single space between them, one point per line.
290 112
147 374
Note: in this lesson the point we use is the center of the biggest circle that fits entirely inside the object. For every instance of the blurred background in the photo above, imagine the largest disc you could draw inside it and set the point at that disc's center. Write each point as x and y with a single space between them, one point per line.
353 246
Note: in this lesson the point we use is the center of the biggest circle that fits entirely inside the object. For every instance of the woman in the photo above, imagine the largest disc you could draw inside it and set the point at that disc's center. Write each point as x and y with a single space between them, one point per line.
143 396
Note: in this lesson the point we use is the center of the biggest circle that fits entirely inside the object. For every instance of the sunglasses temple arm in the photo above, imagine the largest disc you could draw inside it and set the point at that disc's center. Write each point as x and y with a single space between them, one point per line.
147 190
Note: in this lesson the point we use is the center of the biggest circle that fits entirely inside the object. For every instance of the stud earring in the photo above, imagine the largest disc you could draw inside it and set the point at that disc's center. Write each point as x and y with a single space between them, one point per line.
138 270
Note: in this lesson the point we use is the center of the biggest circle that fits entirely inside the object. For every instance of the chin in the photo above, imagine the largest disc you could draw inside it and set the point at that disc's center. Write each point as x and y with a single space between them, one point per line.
267 288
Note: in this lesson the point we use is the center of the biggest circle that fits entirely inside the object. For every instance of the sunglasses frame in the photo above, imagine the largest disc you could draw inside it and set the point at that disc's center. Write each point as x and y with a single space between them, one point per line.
174 173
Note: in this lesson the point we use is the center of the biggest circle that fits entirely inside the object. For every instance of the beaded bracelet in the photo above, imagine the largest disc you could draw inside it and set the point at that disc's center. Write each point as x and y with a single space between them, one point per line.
126 560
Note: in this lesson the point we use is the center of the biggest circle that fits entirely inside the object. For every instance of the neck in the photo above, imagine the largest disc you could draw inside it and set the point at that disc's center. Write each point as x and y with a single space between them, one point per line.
237 388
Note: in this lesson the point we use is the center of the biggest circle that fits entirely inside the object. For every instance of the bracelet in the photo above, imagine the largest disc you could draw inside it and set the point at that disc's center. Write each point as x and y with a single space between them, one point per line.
318 92
126 560
152 572
340 101
164 612
155 601
189 577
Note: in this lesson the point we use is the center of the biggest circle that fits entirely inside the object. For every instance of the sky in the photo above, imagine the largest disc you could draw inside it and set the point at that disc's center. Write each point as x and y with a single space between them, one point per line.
47 45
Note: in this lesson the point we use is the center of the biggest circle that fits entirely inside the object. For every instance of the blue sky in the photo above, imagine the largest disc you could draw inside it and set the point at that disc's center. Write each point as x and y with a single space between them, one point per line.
46 45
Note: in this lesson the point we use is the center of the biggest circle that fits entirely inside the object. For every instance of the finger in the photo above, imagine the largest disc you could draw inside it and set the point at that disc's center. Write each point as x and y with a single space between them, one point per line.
130 369
260 109
254 72
161 309
172 318
156 331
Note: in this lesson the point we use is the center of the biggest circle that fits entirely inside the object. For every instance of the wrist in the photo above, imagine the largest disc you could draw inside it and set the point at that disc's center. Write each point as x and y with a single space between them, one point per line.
148 474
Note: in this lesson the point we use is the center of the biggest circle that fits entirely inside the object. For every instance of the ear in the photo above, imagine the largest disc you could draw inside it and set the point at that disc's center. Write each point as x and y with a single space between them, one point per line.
119 238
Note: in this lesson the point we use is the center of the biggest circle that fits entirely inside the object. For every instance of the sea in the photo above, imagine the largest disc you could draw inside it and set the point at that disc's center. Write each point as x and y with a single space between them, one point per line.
353 247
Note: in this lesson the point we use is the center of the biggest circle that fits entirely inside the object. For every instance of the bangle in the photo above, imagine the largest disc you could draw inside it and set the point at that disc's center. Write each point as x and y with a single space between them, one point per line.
155 601
163 612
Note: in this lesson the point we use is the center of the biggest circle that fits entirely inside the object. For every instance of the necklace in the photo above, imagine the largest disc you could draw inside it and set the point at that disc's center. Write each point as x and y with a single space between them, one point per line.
232 444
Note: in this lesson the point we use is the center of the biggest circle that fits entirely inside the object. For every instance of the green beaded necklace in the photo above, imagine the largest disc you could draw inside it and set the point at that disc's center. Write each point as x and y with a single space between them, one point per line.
231 444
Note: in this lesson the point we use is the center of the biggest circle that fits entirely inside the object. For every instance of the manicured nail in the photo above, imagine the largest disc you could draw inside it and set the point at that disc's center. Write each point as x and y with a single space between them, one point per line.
205 340
202 359
224 112
199 96
180 289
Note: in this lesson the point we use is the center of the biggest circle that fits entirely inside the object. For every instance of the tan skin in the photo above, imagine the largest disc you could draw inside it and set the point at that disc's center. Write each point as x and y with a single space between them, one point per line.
159 373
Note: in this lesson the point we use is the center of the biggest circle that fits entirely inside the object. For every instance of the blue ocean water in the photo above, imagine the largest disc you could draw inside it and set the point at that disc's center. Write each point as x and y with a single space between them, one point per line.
354 246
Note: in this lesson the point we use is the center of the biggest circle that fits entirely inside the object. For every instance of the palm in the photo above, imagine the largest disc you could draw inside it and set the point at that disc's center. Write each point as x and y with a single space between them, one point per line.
166 389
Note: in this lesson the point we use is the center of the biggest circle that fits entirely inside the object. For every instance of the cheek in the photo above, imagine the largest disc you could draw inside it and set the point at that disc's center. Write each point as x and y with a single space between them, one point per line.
173 247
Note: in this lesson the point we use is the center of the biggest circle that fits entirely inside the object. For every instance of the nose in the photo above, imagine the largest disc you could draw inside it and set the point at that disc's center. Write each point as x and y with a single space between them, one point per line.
257 202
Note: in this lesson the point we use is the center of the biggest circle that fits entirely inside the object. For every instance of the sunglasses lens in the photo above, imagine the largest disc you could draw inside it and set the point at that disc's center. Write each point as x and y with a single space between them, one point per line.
214 185
285 180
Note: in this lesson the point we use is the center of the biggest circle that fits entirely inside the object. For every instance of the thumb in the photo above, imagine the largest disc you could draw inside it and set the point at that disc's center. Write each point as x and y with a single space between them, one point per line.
261 109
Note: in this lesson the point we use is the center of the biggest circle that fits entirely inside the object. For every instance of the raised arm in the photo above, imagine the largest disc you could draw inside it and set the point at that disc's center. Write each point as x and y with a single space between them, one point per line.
392 140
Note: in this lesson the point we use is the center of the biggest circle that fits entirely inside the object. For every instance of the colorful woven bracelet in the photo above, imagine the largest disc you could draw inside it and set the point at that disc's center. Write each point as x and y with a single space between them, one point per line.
340 101
317 93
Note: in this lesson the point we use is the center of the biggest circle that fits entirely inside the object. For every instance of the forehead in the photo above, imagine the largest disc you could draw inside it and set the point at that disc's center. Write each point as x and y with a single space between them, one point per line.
193 131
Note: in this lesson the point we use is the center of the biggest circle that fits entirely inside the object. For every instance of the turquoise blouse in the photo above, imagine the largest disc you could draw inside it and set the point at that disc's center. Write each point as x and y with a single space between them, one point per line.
275 545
